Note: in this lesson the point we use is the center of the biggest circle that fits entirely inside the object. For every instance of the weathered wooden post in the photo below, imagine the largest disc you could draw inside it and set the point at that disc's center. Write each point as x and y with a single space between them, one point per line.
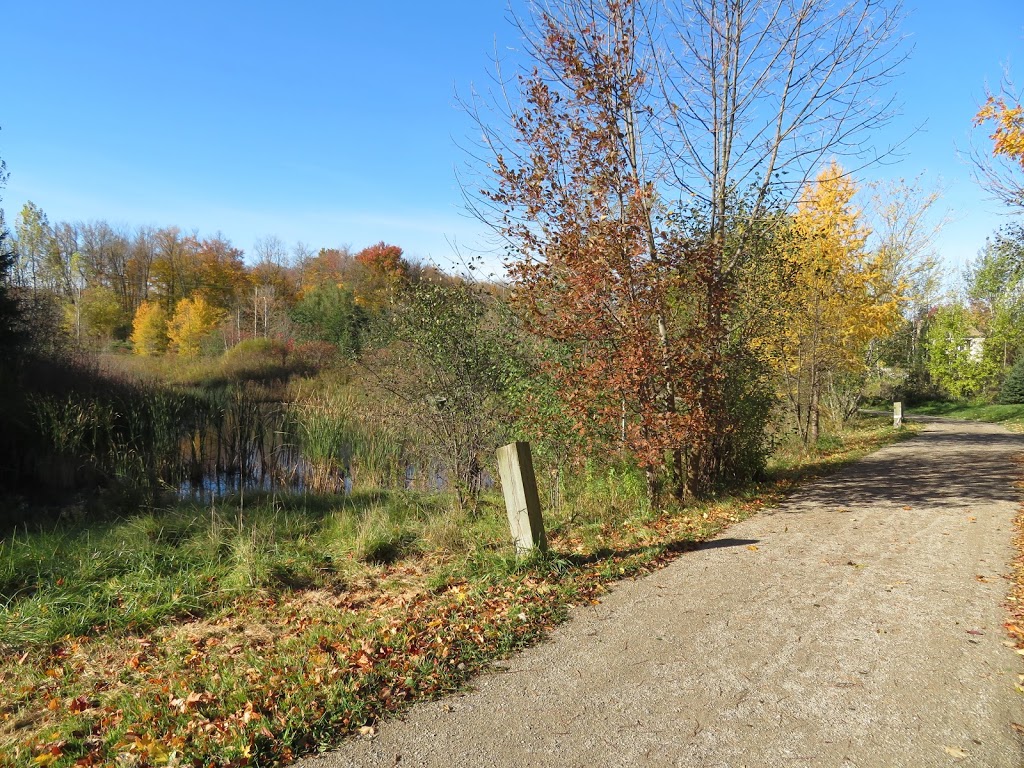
522 503
897 414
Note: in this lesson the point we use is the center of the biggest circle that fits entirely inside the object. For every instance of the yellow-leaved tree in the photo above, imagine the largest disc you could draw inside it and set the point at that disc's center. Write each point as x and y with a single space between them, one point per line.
149 329
837 299
194 319
1002 173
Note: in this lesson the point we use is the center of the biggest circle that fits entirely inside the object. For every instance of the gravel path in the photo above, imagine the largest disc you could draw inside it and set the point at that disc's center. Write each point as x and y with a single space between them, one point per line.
858 624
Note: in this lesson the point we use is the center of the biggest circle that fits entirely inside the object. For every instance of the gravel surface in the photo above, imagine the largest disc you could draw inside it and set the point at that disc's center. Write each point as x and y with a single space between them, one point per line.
858 624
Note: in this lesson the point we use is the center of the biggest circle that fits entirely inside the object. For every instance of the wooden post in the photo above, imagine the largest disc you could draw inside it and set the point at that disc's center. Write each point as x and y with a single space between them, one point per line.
522 503
897 414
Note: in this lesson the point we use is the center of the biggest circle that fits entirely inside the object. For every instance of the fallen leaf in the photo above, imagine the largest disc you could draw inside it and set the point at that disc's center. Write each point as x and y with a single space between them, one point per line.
1017 727
983 579
908 508
975 632
79 704
959 754
152 748
752 547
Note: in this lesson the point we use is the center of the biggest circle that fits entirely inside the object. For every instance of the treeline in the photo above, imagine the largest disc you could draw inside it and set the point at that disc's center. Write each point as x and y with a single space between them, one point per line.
165 289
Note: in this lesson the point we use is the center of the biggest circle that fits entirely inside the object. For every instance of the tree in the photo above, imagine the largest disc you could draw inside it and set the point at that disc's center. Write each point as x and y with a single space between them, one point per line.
220 274
594 270
904 231
149 329
12 334
139 266
954 363
103 313
273 288
174 270
193 321
1002 172
444 370
995 287
330 313
383 271
634 184
107 254
330 265
839 298
34 234
760 92
1012 392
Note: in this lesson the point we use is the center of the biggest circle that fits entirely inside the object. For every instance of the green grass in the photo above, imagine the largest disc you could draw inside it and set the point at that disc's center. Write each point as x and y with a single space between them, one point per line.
1010 416
252 633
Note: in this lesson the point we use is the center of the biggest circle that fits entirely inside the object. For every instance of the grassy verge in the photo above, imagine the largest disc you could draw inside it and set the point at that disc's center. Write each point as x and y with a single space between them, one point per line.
1010 416
249 634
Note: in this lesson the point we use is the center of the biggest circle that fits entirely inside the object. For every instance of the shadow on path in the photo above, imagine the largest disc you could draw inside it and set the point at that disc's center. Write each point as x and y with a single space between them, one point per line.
944 467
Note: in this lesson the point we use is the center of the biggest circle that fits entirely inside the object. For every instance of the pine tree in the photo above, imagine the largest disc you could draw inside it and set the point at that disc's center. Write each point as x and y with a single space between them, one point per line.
1013 388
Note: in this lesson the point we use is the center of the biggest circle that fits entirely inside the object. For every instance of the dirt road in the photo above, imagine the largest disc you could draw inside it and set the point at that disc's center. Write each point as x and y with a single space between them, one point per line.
859 624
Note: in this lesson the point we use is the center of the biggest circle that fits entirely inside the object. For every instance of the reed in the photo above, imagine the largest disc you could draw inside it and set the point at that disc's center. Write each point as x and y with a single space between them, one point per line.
335 439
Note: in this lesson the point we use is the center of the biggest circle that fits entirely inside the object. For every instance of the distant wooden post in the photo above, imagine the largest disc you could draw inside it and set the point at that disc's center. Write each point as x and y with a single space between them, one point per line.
897 414
522 503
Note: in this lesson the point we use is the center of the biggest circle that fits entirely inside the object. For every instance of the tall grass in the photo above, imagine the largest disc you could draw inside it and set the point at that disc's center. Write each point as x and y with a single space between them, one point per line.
143 439
335 439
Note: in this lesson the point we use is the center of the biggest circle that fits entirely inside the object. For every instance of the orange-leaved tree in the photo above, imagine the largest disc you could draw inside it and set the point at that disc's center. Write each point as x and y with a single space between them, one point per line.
383 270
637 186
1003 173
602 272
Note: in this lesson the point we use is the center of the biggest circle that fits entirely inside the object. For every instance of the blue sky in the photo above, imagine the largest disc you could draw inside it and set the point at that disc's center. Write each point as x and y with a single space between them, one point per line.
335 123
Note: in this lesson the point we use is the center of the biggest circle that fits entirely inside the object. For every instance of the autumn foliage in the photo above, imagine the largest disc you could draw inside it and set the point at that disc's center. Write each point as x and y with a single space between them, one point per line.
836 299
1002 172
194 319
629 288
1007 122
149 329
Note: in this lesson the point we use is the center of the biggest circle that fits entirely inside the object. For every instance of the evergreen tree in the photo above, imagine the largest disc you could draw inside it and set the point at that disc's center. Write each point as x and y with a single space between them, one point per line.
1013 388
331 313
